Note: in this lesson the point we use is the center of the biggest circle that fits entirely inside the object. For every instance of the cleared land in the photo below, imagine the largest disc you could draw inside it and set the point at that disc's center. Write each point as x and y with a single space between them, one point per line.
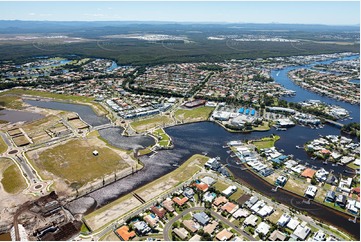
264 127
98 108
266 142
125 204
145 124
74 161
3 146
11 178
193 115
10 101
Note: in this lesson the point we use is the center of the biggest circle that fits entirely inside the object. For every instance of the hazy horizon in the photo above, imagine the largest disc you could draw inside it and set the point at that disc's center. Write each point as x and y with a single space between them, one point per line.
258 12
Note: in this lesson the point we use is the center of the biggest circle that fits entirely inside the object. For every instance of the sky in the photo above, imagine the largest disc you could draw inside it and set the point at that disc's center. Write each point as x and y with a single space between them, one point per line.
308 12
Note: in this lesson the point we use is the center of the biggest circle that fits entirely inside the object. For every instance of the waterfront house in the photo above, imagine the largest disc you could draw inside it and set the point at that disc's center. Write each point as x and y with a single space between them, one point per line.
281 181
265 211
353 206
330 196
201 218
341 200
257 206
319 236
345 184
201 186
311 192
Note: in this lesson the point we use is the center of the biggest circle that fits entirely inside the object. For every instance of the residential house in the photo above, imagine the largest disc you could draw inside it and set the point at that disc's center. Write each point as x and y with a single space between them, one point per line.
196 237
293 223
124 234
159 211
251 201
240 213
151 220
191 225
201 218
188 192
284 219
224 235
265 211
277 235
209 197
182 233
311 192
251 220
142 228
220 200
281 181
229 191
302 232
319 236
168 205
209 228
341 200
330 196
208 180
179 201
263 228
229 207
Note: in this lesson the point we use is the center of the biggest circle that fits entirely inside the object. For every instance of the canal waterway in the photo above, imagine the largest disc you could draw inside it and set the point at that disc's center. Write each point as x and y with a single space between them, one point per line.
209 137
281 76
13 116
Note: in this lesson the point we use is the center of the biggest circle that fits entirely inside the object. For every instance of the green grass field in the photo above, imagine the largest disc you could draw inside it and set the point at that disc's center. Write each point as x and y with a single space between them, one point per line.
164 140
12 180
266 142
193 115
145 124
75 162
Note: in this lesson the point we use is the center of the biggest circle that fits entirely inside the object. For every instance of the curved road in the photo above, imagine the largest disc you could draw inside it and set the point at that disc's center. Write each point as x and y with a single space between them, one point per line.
168 226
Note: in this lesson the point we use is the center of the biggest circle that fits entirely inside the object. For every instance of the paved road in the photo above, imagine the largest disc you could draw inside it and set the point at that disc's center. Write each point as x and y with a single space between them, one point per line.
168 226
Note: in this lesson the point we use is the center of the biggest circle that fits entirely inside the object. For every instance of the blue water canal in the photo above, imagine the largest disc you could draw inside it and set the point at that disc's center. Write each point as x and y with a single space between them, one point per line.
209 137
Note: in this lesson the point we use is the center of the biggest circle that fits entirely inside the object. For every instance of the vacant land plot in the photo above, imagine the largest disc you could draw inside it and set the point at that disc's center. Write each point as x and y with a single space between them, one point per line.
10 101
266 142
264 127
10 176
193 115
296 186
14 132
3 146
145 124
36 130
126 203
74 161
21 140
77 123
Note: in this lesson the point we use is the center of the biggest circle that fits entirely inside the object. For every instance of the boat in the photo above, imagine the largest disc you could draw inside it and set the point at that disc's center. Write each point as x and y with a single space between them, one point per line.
298 147
313 158
278 73
175 165
325 162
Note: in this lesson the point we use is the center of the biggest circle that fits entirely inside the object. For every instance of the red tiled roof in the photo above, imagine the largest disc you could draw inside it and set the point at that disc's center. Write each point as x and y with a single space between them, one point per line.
124 233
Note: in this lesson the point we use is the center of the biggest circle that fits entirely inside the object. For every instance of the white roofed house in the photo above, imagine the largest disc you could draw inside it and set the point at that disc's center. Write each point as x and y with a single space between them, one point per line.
345 184
263 228
301 232
311 192
284 219
251 220
293 223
